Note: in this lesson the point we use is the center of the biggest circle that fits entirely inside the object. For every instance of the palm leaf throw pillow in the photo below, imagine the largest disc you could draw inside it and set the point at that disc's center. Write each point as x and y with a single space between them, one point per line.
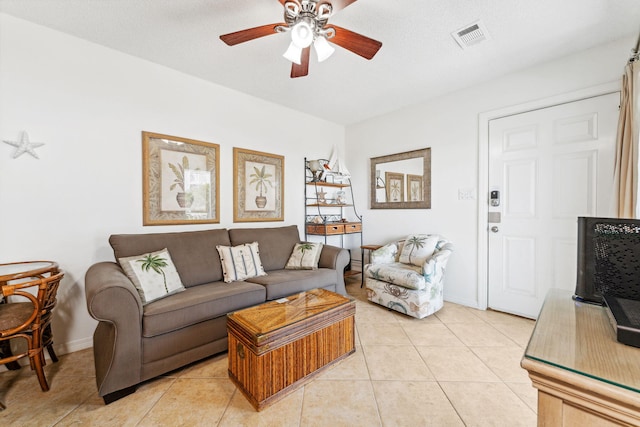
153 275
417 248
305 256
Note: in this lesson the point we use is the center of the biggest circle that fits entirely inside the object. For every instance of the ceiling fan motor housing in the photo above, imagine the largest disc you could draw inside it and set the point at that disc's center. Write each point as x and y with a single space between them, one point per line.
310 12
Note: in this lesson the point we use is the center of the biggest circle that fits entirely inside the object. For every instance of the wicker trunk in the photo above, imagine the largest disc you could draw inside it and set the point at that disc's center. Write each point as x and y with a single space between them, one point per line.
278 346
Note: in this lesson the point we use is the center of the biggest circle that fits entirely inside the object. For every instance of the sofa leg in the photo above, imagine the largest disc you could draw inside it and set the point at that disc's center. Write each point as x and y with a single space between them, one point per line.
116 395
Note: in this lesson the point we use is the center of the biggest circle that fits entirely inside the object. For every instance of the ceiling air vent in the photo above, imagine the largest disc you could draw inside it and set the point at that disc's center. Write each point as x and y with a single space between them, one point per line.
471 34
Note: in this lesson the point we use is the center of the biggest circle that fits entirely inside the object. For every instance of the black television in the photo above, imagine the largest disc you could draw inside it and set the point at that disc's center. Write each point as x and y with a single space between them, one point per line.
609 272
608 259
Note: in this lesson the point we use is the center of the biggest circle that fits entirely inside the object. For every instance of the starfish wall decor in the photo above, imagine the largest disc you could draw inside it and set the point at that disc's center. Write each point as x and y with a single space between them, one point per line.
25 146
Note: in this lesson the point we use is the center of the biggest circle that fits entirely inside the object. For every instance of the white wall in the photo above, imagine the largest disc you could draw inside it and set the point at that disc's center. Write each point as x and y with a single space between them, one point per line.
89 104
449 125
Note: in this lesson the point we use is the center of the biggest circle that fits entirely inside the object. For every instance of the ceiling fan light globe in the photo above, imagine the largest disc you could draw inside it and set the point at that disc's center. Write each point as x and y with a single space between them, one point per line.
302 34
323 49
293 53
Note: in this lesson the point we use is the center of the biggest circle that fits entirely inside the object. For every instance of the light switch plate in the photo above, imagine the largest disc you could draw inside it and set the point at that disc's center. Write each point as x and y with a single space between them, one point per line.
466 193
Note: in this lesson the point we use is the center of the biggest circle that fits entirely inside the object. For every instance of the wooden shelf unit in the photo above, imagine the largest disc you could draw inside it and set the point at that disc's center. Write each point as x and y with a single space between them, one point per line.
334 224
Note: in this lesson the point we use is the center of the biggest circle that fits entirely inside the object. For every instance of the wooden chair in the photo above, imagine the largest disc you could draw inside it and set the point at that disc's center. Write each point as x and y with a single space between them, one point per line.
30 319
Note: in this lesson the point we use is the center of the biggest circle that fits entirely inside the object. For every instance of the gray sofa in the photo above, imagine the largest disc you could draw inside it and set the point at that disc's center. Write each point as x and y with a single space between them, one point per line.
133 343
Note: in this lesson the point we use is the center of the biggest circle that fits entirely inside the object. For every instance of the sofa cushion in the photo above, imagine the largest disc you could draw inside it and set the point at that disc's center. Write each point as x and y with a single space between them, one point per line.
282 283
197 304
305 256
153 275
193 252
405 275
276 244
240 262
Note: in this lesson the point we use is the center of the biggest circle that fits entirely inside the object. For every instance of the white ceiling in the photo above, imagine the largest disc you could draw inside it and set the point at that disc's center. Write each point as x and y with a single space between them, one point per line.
419 59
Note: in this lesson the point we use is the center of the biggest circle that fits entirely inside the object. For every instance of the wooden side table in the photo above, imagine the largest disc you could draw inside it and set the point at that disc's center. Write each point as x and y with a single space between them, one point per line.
583 375
362 249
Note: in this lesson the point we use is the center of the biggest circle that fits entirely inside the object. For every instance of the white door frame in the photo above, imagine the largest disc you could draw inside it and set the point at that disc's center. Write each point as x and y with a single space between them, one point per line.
483 167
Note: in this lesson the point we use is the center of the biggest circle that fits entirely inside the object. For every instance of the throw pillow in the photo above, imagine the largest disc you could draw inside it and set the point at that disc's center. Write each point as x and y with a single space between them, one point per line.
153 275
305 256
240 262
417 248
384 255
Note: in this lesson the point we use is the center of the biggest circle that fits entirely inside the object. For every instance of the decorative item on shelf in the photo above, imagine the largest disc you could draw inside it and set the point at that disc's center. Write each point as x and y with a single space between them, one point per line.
341 198
336 168
322 196
317 169
24 146
379 181
317 219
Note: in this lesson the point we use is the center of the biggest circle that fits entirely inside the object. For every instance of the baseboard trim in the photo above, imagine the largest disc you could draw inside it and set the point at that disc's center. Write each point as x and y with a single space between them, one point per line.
72 346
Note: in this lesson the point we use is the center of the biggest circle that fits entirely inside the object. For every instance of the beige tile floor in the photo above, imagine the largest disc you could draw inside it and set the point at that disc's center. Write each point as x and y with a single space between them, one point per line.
460 367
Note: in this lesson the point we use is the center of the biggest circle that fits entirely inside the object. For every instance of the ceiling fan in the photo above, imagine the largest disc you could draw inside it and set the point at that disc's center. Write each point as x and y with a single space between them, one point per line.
307 20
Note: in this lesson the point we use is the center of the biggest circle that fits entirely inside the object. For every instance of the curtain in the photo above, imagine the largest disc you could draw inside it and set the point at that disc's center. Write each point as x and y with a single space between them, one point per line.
626 169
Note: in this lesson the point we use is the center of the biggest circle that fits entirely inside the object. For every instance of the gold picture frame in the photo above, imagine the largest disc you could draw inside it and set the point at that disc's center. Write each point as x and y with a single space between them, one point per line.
394 187
180 180
258 186
414 188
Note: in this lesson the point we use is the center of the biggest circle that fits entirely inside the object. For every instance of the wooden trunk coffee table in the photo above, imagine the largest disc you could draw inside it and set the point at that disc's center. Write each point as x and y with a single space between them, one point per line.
276 347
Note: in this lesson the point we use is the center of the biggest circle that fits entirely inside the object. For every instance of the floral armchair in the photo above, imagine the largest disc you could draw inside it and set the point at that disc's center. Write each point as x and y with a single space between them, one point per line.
408 276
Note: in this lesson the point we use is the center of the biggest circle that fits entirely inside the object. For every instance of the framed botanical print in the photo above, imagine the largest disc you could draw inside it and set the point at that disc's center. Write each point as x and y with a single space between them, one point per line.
258 186
414 188
394 187
180 180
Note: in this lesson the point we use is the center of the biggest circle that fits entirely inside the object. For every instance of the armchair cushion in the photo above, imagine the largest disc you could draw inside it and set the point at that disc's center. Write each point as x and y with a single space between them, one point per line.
418 248
405 275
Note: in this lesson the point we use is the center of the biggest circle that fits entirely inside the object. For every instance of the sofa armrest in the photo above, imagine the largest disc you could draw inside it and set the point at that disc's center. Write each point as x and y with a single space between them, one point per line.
337 259
115 303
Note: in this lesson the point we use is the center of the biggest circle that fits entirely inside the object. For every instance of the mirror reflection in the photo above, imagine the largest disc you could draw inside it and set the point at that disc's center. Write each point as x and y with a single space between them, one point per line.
402 180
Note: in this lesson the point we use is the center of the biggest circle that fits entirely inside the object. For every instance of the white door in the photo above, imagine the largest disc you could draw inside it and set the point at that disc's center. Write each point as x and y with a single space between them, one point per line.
548 167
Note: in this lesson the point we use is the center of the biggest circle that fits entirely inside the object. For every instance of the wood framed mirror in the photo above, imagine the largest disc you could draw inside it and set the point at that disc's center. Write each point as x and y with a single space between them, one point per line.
402 180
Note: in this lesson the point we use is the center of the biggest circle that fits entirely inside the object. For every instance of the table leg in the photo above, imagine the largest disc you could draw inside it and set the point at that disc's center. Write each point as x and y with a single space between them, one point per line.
361 267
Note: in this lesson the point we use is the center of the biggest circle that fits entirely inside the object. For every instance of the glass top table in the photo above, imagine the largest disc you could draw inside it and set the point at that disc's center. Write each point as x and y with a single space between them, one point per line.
27 269
579 338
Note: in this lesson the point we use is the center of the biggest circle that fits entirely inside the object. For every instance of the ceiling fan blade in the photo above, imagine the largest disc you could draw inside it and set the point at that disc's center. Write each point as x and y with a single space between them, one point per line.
250 34
356 43
302 69
337 4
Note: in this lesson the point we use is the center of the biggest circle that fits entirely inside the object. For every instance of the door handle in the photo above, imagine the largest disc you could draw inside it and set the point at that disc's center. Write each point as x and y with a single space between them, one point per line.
495 229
